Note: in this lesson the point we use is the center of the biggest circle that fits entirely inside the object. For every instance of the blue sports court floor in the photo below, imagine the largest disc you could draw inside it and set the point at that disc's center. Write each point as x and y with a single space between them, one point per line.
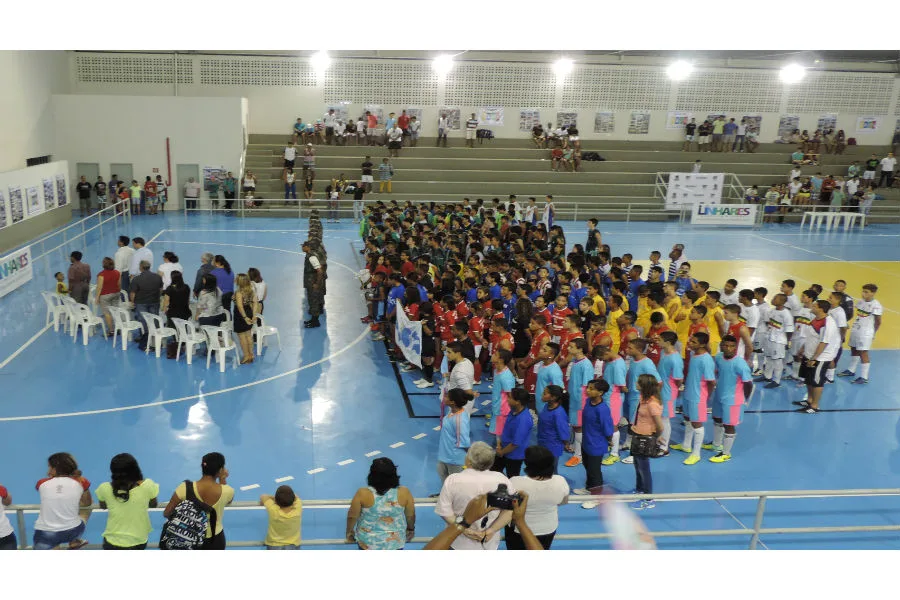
329 401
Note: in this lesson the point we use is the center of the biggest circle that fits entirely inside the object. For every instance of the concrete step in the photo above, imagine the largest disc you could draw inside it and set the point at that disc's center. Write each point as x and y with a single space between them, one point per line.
503 189
455 140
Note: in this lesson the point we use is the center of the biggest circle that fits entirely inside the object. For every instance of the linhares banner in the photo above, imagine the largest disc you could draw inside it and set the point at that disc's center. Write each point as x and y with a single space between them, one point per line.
740 215
15 270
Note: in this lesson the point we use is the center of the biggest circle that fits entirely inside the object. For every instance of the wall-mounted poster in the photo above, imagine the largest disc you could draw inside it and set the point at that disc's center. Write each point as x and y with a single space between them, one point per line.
3 221
415 111
694 188
452 115
787 124
604 121
491 115
712 118
16 205
213 177
49 194
528 118
61 197
340 111
827 121
565 118
677 119
35 206
752 122
639 122
867 124
378 111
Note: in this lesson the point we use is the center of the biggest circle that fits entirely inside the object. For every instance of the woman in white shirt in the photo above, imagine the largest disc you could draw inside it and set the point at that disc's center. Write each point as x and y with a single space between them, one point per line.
170 263
63 493
546 492
259 286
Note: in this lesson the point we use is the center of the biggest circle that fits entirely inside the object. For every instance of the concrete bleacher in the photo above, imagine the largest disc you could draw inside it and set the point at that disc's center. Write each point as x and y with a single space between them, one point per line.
501 167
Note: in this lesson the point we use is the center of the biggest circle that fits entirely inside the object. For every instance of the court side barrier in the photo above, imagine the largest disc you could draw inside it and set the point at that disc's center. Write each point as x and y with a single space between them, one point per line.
754 533
62 237
565 211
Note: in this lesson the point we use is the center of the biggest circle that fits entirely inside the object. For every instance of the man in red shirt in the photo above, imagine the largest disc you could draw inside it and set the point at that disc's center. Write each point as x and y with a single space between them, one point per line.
556 156
403 123
539 338
371 124
476 334
657 326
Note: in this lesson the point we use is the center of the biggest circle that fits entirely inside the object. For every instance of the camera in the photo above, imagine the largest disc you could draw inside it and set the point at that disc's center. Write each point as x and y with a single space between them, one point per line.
501 498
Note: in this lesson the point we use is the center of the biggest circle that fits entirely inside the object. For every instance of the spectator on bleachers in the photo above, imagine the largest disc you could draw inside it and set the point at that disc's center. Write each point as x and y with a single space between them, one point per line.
309 161
128 497
224 279
285 511
109 284
395 140
537 136
79 278
63 493
213 489
8 539
546 492
382 516
209 309
414 127
460 488
297 130
385 175
248 183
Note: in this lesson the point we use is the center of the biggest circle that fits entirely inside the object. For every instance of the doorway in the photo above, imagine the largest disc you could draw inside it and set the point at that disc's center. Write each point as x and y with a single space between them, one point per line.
90 171
182 174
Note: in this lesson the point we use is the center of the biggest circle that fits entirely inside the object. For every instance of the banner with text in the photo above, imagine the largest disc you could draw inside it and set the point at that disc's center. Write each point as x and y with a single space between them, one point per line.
693 188
15 270
741 215
409 337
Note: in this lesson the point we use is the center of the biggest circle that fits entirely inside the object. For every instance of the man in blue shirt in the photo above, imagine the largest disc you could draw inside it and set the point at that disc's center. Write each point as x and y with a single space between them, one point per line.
455 435
507 294
699 387
553 423
516 435
733 387
635 285
597 426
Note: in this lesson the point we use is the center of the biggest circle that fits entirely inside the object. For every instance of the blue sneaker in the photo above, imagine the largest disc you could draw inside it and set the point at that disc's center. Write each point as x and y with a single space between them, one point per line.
846 373
642 504
860 380
771 385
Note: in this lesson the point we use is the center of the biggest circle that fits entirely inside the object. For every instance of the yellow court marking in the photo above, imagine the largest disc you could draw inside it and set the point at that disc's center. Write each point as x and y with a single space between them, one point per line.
770 273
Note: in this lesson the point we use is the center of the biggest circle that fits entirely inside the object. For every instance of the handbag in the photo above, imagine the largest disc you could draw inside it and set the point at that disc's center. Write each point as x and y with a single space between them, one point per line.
644 445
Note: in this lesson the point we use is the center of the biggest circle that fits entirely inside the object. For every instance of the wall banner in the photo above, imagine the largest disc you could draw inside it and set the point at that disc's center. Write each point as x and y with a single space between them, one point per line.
741 215
694 188
15 270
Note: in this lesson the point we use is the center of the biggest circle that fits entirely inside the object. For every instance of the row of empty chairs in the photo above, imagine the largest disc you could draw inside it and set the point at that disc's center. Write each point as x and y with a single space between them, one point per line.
66 312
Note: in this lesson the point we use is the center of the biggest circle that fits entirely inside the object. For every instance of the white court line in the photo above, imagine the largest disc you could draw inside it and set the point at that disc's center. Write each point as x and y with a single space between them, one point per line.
398 444
438 428
283 479
419 437
798 248
344 463
314 471
486 402
360 338
373 453
46 328
249 487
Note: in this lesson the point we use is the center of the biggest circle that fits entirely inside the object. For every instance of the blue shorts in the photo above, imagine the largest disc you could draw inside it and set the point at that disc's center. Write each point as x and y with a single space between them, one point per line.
771 209
48 540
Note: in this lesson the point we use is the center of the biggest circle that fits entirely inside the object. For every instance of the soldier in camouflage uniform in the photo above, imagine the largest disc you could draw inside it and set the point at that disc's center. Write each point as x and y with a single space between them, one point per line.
314 275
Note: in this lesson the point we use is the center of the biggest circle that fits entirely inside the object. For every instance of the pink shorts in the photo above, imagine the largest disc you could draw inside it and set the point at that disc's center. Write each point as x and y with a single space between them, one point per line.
497 424
669 410
615 409
695 412
732 414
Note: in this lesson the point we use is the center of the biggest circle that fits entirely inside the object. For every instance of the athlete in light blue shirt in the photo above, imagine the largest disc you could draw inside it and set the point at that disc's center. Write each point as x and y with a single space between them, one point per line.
549 373
455 435
640 365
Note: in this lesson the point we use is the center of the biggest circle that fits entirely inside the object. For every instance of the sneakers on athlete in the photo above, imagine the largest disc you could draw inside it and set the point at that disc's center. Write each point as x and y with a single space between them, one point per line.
801 403
581 492
574 461
425 384
860 380
772 385
846 373
628 460
678 447
760 379
693 459
809 410
709 446
720 458
610 460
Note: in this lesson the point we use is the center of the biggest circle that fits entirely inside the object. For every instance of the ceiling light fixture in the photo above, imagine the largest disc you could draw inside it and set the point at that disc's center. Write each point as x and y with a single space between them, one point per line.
679 70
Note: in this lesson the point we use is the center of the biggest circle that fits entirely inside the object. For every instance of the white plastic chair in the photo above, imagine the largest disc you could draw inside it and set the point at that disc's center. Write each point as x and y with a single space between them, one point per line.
262 331
56 312
219 340
84 318
124 296
227 323
123 324
70 312
156 332
92 299
188 335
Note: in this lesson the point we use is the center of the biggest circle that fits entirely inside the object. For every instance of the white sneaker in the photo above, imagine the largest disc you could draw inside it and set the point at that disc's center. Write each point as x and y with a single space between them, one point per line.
418 381
425 384
628 460
590 505
581 492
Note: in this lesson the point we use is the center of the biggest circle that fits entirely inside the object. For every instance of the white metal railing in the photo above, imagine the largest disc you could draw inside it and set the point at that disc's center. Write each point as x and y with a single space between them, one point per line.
753 532
60 238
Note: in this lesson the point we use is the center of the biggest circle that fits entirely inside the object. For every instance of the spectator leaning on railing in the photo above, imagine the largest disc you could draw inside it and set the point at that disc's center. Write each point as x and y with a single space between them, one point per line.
128 497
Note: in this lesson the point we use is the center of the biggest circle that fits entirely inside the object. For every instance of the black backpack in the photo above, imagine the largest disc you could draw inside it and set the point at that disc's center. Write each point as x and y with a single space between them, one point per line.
186 528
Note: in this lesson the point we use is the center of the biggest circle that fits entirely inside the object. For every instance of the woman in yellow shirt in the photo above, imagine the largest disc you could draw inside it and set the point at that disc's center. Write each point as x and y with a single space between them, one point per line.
211 488
285 511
